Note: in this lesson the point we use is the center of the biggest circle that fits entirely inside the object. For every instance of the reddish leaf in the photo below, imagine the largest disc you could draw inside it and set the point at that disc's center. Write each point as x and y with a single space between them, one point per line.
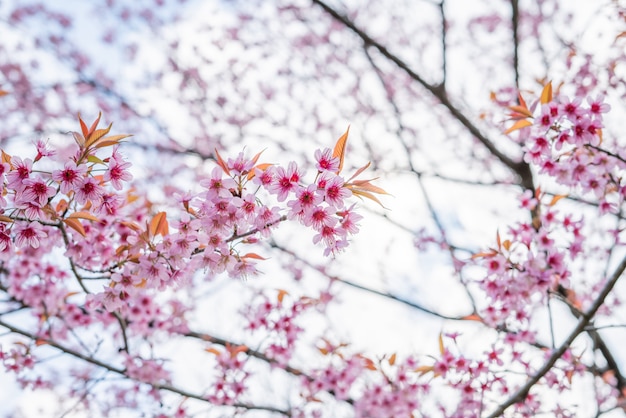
253 255
3 93
472 317
6 158
546 94
556 199
442 349
359 171
75 225
83 127
221 163
95 123
392 359
281 295
518 125
158 225
262 167
340 149
83 215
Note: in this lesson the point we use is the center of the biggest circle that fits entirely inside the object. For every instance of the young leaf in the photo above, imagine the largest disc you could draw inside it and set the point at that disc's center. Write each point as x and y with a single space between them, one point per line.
158 225
75 225
518 125
253 255
6 158
110 140
442 349
3 93
340 149
97 134
281 295
83 127
546 94
556 199
472 317
221 163
392 359
83 215
95 123
359 171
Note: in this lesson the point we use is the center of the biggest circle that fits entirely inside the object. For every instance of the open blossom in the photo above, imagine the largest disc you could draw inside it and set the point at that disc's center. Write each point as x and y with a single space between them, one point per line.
70 177
37 191
334 193
21 171
89 189
285 181
117 172
326 161
218 186
29 234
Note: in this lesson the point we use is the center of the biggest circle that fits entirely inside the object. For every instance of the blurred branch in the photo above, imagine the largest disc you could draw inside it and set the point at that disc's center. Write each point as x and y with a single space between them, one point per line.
321 269
520 168
515 26
122 372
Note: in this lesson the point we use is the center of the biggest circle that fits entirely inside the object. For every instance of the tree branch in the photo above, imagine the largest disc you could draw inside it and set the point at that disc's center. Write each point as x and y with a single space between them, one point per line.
583 322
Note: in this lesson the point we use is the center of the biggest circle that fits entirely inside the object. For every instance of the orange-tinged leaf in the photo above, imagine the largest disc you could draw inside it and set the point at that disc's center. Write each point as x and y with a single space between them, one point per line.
520 111
392 359
131 225
507 244
367 186
498 240
6 219
221 163
253 255
281 295
518 125
234 350
546 94
472 317
97 134
84 215
213 351
340 149
75 225
80 140
442 349
110 140
323 350
61 206
556 199
369 364
522 102
6 158
359 171
158 225
142 283
361 194
262 167
256 157
39 342
423 369
485 254
95 123
83 127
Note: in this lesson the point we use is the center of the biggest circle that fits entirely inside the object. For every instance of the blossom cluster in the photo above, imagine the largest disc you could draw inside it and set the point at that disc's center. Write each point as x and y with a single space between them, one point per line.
118 254
566 143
